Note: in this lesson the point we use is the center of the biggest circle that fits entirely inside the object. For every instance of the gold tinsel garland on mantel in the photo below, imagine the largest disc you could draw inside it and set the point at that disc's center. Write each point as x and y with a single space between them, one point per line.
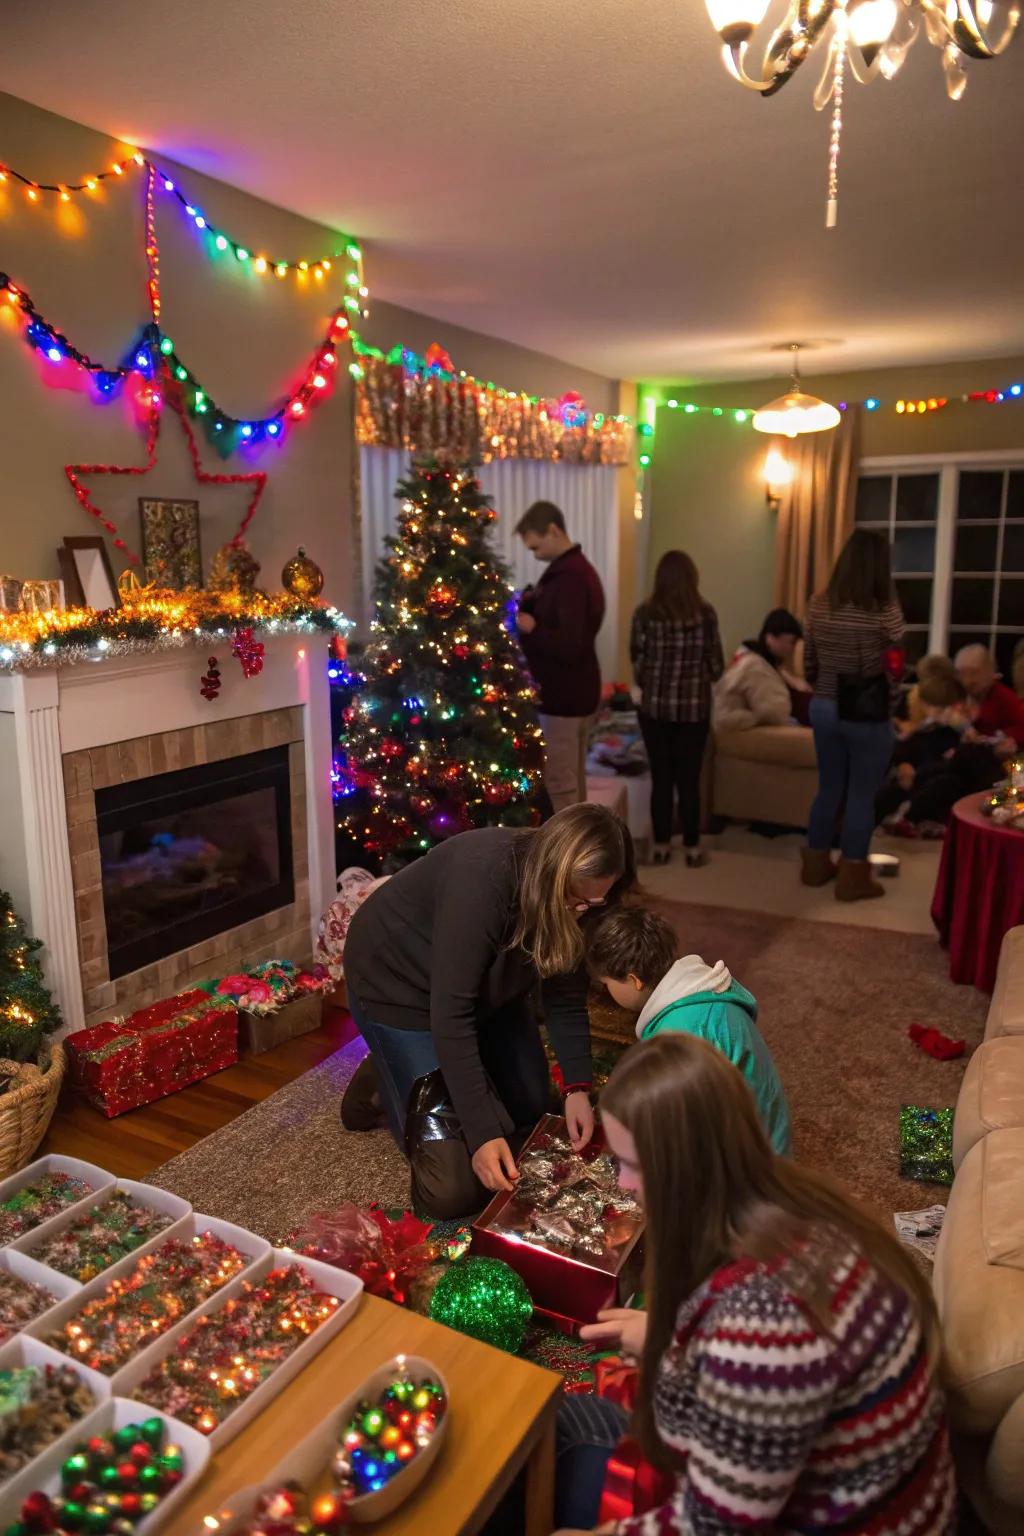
424 406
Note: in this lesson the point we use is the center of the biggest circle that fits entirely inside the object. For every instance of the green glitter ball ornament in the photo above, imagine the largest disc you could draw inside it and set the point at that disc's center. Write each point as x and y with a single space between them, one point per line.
485 1299
152 1432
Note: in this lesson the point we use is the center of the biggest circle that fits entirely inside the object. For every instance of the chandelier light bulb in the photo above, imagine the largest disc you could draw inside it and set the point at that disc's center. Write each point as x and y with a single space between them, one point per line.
871 24
735 20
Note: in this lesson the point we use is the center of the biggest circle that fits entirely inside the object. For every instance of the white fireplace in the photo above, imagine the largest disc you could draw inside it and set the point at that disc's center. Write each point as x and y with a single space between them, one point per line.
77 741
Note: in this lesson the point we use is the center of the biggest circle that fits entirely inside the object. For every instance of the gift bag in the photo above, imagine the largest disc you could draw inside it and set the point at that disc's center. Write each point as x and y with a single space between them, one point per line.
353 888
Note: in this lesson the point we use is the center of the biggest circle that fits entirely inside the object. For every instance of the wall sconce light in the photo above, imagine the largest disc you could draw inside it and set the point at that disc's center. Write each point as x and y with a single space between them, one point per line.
778 474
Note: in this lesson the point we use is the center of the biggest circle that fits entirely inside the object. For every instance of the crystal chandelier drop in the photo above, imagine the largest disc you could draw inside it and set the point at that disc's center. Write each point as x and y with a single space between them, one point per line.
871 37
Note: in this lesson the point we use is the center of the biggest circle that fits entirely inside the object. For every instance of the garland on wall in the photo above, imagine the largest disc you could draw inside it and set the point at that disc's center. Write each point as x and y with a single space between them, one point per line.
423 405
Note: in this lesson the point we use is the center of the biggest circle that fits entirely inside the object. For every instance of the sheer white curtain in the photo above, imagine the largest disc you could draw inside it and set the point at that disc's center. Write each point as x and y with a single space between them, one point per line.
586 494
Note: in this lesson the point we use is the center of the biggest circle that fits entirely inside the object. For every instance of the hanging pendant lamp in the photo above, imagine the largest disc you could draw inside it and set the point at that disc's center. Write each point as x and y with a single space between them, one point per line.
792 414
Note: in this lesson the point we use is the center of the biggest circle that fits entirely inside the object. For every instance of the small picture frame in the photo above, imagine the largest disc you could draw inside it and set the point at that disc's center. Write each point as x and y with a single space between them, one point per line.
86 572
170 542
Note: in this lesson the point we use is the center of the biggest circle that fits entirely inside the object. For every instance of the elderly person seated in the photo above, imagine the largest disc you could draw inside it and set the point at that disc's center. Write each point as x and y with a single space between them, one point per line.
756 688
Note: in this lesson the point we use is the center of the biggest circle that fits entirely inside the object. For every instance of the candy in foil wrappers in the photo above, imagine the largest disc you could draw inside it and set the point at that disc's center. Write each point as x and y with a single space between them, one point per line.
570 1202
926 1144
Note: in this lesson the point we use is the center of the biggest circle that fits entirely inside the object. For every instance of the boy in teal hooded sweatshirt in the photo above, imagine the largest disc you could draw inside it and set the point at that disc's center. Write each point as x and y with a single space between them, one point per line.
634 954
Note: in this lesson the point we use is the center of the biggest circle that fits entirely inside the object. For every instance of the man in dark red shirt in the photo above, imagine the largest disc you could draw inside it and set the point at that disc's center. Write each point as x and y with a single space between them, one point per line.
999 713
558 621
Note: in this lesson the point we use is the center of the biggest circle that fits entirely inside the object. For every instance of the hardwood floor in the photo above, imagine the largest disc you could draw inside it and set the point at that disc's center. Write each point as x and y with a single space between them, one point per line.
135 1143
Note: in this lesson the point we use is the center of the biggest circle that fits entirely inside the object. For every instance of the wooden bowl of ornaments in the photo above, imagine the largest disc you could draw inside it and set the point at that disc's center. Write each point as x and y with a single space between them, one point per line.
311 1464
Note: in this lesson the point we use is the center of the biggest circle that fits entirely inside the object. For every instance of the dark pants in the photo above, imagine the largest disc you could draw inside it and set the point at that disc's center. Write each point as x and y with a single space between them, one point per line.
939 785
587 1431
444 1184
853 756
675 751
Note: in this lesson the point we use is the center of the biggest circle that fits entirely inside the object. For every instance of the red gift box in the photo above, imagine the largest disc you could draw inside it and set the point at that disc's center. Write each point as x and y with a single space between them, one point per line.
126 1063
568 1290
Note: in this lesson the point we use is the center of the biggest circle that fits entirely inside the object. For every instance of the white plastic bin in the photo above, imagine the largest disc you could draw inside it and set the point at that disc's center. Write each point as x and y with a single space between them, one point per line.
44 1472
20 1352
54 1162
144 1194
335 1282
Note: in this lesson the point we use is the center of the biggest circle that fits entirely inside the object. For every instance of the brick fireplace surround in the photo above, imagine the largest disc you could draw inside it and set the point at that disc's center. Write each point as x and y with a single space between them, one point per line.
70 731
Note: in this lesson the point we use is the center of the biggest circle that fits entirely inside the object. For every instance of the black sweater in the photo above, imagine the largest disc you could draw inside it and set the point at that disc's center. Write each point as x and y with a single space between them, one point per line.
429 950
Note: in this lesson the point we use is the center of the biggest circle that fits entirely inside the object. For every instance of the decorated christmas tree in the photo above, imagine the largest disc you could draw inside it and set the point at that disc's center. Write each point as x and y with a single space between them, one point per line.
443 735
27 1011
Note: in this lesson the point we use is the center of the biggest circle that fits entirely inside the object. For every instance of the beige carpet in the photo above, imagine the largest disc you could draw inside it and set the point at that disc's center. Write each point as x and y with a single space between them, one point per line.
835 1005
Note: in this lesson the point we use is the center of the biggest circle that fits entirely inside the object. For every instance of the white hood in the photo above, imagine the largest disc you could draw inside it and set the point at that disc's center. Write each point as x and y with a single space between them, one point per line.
689 975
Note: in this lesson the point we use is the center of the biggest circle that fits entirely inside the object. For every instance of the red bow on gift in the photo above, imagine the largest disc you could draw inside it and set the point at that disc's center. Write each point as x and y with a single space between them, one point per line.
385 1253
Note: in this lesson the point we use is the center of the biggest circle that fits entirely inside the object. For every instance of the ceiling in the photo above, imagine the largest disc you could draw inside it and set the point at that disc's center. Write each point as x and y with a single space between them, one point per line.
581 179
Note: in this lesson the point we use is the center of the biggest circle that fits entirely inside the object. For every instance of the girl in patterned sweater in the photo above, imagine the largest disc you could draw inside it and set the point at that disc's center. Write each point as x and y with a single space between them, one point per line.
789 1375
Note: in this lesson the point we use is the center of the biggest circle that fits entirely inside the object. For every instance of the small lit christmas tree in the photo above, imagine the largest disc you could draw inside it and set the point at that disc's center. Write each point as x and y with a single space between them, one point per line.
444 734
27 1011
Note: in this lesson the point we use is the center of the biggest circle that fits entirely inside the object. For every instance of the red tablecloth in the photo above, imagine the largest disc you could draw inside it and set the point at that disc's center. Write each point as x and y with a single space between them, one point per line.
979 894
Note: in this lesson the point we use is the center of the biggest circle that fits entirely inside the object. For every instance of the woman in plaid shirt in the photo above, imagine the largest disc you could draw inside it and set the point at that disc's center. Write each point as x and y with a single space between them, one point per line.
677 657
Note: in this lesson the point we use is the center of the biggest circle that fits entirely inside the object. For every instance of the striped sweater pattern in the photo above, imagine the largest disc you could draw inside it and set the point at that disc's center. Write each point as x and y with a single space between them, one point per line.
847 641
782 1428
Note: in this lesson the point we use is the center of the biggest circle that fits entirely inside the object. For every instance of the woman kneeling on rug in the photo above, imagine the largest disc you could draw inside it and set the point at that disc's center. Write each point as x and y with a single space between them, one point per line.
443 965
789 1377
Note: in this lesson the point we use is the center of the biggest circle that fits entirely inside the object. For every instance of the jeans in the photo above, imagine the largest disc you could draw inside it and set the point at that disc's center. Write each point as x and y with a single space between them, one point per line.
443 1182
853 759
675 750
587 1430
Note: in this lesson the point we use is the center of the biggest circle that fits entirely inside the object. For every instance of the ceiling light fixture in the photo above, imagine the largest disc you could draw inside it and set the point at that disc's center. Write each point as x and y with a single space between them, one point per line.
873 36
792 414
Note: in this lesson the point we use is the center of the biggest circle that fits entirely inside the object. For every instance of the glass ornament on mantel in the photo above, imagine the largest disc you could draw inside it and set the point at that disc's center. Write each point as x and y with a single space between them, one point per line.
302 577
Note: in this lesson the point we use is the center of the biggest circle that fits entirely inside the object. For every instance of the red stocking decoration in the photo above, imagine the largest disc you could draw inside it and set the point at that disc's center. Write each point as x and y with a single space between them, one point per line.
249 652
209 683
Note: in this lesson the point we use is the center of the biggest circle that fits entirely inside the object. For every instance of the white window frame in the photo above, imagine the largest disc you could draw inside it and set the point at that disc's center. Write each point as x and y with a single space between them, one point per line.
948 465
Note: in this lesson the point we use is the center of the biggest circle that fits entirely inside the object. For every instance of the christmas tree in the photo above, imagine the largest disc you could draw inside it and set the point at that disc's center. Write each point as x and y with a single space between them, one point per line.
27 1011
443 736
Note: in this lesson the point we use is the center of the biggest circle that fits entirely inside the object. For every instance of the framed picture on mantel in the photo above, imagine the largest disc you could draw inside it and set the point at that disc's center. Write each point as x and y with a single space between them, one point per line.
170 542
86 572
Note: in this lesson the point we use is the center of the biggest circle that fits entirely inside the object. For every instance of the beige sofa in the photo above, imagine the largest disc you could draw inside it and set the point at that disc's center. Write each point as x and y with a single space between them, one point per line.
979 1266
769 773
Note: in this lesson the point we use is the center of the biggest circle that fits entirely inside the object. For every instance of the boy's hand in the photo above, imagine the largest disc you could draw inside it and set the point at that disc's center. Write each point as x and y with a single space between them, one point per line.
579 1120
618 1328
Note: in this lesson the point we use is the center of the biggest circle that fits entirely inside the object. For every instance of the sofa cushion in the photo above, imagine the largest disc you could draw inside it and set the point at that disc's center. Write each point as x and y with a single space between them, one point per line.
991 1095
1006 1011
788 746
979 1282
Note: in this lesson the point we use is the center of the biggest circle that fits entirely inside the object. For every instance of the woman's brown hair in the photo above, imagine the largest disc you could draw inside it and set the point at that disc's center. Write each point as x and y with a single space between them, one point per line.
714 1191
862 576
581 842
676 593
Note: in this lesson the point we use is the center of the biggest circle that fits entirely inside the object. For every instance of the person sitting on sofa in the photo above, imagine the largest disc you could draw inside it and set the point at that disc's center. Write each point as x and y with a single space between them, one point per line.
756 688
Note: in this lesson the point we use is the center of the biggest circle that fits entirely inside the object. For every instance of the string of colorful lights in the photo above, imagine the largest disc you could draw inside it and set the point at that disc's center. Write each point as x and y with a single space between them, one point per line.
303 268
741 415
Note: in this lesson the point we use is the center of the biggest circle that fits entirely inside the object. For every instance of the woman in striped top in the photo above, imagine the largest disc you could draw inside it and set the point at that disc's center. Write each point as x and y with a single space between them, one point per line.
789 1376
852 655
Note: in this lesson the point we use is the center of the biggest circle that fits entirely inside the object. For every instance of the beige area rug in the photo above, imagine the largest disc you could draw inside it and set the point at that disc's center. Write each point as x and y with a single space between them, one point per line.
835 1004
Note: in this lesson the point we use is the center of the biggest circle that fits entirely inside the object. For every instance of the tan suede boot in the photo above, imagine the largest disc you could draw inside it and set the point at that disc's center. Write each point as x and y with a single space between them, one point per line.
817 866
854 881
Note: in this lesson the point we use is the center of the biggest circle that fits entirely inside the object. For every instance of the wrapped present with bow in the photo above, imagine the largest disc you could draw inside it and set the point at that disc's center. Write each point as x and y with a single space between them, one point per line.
926 1144
127 1062
567 1228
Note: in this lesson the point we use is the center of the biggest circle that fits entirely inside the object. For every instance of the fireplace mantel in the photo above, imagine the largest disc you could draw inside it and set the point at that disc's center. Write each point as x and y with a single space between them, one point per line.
48 714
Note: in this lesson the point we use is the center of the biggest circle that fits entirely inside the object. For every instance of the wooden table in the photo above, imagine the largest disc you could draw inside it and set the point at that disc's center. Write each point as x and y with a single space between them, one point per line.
502 1420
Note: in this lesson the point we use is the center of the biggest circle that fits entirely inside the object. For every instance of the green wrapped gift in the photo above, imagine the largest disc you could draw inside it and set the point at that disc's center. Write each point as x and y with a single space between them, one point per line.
926 1144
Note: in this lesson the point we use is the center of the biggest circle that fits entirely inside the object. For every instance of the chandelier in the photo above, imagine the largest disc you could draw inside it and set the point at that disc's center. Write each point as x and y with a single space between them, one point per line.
870 37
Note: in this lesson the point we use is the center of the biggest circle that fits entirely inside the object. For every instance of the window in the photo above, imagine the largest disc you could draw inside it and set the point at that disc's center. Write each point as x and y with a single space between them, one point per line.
905 507
987 597
956 530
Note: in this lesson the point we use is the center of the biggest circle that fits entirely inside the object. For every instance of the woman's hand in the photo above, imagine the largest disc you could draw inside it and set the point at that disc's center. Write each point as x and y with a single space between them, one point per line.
525 623
579 1119
621 1328
494 1164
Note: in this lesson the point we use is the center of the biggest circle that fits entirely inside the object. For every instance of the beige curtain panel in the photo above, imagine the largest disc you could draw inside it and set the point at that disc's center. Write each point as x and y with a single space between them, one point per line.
816 511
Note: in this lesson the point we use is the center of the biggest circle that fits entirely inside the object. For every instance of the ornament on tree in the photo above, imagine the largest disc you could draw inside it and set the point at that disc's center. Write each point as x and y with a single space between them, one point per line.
441 600
302 576
249 652
209 683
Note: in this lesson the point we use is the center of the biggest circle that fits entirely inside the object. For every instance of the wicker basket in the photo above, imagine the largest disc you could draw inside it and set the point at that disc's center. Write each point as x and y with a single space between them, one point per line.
26 1112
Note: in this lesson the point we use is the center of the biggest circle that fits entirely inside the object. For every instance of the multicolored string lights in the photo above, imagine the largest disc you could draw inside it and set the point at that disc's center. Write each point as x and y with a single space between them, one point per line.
63 190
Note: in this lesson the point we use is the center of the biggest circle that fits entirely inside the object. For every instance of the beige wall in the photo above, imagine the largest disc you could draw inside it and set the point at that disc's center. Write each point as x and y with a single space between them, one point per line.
245 337
707 487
